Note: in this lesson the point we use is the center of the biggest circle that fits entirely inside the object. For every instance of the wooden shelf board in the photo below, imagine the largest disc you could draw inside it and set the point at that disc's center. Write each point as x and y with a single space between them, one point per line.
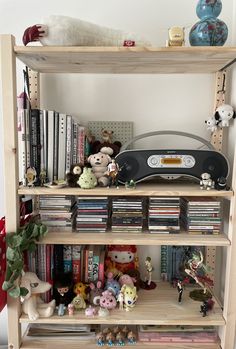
147 189
144 238
129 60
75 343
154 307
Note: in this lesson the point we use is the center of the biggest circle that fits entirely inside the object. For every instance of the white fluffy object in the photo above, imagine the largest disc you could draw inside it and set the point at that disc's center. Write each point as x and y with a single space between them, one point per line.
67 31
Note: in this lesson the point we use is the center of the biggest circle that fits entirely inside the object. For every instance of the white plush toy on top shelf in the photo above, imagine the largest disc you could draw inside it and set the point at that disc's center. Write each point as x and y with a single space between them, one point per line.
223 114
67 31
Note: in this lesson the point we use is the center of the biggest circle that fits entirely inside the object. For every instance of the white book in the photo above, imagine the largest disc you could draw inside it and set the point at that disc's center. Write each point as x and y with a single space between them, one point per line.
50 144
21 145
68 142
62 146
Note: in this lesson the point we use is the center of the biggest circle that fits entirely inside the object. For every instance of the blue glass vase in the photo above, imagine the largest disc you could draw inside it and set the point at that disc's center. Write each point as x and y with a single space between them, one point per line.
209 31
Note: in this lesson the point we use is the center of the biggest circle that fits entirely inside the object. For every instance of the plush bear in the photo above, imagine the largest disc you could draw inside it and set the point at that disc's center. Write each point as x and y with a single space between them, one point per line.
223 114
99 164
72 177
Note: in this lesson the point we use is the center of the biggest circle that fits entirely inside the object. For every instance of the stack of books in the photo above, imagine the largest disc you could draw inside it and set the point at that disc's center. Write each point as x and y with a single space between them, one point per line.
201 215
127 214
164 215
92 214
57 211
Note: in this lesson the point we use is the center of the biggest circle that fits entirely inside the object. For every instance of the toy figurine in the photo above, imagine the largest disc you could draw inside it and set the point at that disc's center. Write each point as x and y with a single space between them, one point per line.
206 306
130 296
120 300
110 338
31 176
180 290
99 163
107 300
112 285
211 124
63 285
80 289
78 302
70 309
130 184
72 177
90 311
61 309
125 330
221 184
42 177
131 336
112 172
100 339
87 179
223 115
206 182
116 329
120 339
125 279
149 269
95 293
103 312
175 36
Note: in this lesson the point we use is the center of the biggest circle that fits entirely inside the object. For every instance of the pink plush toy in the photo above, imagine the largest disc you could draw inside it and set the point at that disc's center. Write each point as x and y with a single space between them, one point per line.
107 300
126 280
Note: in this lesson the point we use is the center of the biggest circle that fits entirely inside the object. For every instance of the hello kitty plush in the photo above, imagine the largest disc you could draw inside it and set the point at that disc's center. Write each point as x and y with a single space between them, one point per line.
121 257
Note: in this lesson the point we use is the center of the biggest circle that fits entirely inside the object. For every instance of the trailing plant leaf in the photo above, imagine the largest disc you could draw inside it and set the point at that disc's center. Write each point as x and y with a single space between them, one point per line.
24 239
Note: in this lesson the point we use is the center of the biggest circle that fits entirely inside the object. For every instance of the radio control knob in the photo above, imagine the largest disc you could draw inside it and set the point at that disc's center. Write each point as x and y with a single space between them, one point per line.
153 161
189 161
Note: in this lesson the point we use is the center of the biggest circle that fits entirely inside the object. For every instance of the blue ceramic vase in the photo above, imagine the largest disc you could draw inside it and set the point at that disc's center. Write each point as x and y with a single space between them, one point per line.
209 31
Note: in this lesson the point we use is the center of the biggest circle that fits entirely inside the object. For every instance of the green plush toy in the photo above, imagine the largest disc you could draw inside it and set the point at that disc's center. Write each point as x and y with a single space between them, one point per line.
87 180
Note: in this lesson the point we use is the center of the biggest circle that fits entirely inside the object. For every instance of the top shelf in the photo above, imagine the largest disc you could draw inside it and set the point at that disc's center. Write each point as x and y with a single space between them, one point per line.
126 60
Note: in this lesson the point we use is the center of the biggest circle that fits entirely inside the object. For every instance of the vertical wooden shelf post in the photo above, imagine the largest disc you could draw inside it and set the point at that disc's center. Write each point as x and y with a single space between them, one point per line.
9 112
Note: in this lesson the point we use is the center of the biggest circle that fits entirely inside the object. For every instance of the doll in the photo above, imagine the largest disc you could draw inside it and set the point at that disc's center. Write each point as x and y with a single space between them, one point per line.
121 257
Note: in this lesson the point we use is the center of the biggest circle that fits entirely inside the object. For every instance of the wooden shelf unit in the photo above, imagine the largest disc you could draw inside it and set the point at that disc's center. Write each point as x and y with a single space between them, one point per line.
159 306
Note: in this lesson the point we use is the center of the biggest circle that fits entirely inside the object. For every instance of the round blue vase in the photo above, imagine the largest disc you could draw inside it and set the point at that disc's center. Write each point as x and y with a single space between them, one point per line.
209 31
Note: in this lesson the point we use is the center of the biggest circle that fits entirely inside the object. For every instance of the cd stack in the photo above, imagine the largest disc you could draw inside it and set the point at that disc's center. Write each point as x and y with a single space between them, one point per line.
127 214
57 211
92 214
164 215
201 215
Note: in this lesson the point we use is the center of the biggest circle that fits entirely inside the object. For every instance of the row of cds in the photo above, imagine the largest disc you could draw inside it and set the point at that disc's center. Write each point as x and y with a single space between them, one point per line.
132 214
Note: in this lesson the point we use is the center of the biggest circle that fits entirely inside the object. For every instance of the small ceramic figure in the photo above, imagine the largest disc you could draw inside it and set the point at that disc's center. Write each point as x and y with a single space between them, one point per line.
206 182
149 270
130 184
100 339
130 296
120 300
180 290
70 309
31 176
120 339
112 172
175 36
42 177
61 309
103 312
90 311
110 338
131 336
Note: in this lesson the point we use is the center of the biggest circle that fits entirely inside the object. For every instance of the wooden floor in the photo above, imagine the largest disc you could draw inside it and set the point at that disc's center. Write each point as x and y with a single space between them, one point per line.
154 307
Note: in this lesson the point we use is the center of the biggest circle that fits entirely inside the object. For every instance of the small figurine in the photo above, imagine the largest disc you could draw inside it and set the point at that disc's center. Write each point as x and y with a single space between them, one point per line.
206 182
80 289
130 184
31 176
206 306
116 329
112 172
107 300
95 293
100 339
125 330
103 312
110 338
180 290
78 302
223 114
131 336
107 135
176 36
120 339
112 285
90 311
221 184
63 284
61 309
43 177
211 124
130 296
71 309
120 300
149 269
72 177
87 180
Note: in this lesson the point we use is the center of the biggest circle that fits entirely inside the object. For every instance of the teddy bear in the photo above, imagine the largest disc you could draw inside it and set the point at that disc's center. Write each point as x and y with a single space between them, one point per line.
99 163
106 144
223 114
72 177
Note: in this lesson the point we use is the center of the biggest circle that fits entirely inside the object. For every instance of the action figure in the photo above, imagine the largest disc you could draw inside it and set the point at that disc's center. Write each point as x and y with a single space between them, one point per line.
112 172
180 290
206 306
149 270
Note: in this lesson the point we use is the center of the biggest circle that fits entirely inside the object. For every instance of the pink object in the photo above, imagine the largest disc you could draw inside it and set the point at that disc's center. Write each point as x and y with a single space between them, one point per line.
129 43
70 309
107 300
90 311
126 280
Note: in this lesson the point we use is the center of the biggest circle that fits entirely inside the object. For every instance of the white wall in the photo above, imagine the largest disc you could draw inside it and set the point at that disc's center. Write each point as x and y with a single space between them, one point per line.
180 102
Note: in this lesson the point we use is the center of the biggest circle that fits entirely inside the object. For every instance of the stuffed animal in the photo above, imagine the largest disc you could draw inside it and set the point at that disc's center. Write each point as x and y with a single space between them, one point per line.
33 305
87 180
106 144
221 184
81 289
90 311
125 279
72 177
223 114
78 302
211 124
99 164
130 296
63 284
107 300
112 285
121 257
95 293
67 31
206 182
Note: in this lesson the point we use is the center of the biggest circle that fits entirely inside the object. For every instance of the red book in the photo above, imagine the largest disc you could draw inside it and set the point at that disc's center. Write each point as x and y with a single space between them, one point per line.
76 263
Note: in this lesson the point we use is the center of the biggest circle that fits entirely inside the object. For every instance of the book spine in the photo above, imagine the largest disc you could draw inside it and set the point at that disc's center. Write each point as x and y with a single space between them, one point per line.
75 135
95 267
80 150
68 142
76 265
67 258
55 146
48 271
50 152
21 145
62 147
35 142
90 264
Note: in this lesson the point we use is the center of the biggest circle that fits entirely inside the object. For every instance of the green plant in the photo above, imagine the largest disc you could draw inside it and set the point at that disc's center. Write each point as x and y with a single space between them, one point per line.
23 240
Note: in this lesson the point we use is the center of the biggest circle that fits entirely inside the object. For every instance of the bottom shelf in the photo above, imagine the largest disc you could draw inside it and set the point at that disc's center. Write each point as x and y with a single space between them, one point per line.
74 343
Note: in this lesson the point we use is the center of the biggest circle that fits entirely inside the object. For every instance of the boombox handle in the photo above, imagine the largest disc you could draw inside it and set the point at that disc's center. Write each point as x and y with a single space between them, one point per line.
160 133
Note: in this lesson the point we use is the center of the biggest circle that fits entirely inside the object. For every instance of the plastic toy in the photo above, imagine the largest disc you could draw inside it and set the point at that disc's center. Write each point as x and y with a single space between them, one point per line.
223 114
112 285
67 31
180 290
125 330
78 302
110 338
31 176
176 36
211 124
131 336
61 309
90 311
221 184
120 339
149 270
206 182
206 306
100 339
120 300
80 289
99 163
33 305
130 184
103 312
130 296
95 293
107 300
112 172
72 177
87 179
71 309
42 177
